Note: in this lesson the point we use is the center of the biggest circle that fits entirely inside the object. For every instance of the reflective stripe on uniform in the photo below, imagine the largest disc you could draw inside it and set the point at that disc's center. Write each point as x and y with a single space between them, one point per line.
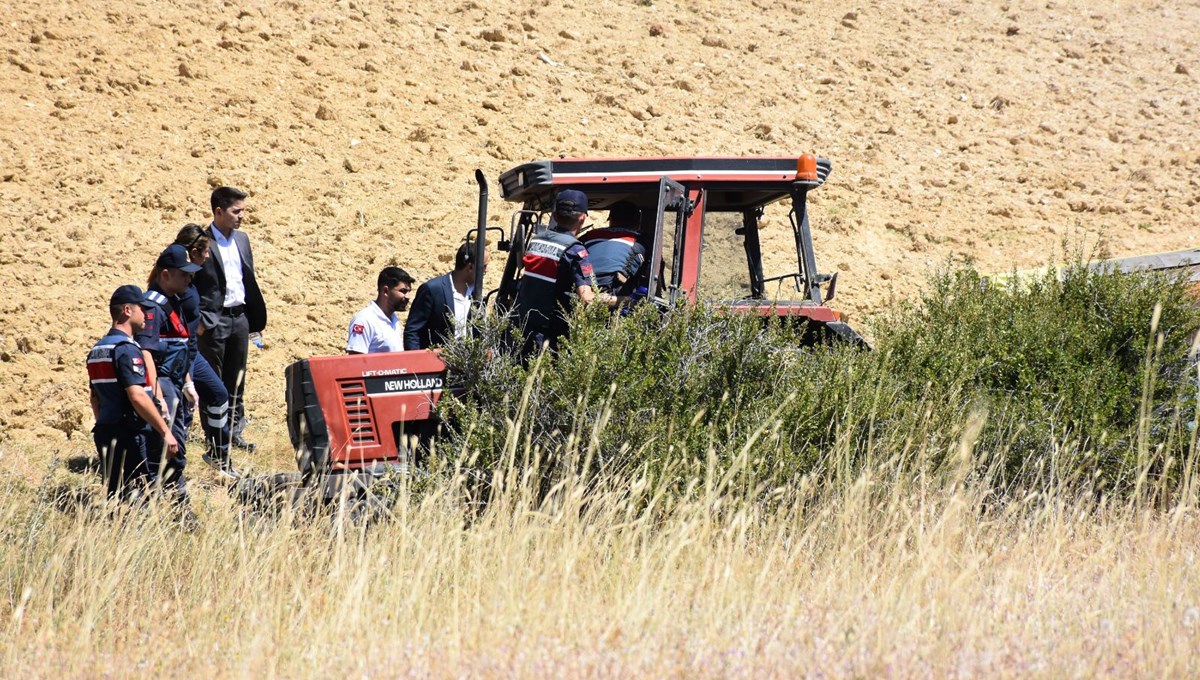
542 258
216 415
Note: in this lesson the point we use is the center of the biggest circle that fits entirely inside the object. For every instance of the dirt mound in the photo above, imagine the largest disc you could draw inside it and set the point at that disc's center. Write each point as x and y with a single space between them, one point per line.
955 130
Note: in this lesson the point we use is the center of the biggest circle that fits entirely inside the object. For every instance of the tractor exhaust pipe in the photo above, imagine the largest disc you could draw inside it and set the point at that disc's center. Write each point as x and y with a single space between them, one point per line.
480 240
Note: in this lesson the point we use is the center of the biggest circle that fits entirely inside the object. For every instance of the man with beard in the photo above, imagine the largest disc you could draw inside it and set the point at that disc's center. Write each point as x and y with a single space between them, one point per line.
376 328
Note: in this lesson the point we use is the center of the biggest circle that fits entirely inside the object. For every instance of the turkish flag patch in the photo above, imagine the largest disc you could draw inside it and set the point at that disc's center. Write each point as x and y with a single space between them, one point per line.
357 328
136 361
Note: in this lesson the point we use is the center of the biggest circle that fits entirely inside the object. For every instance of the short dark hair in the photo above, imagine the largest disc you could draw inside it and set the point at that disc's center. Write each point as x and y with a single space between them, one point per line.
223 197
390 276
465 255
625 214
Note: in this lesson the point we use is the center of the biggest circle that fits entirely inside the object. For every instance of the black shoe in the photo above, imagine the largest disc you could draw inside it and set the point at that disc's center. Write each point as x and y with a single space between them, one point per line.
244 445
222 465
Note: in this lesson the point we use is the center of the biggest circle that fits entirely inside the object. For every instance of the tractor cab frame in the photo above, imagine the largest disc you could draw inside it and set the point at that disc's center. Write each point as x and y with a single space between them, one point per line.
679 199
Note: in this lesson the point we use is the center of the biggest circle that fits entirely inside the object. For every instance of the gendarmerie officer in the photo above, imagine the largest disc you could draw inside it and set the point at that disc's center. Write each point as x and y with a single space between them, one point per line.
557 270
165 336
615 252
121 403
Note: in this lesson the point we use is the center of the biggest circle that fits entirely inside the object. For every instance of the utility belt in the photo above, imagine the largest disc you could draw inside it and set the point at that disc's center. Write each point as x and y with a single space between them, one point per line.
234 311
131 423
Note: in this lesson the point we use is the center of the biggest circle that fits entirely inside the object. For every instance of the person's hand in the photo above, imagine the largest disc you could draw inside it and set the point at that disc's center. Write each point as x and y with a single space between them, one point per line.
172 446
635 297
200 329
189 391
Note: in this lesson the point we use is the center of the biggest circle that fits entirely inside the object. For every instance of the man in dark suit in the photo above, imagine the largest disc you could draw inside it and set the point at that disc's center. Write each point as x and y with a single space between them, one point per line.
442 305
231 304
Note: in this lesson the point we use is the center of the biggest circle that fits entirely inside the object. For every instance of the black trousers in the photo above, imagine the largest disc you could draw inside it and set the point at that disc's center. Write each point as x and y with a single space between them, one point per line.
225 348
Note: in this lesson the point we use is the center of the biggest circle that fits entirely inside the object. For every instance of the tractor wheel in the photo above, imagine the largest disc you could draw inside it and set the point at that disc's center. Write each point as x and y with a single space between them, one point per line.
306 453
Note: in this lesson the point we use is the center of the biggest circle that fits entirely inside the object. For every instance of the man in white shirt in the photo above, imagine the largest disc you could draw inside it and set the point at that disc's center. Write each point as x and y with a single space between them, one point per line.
231 302
442 306
376 328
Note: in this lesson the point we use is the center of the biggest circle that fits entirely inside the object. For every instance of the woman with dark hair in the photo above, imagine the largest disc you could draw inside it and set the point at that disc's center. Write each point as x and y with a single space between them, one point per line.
204 387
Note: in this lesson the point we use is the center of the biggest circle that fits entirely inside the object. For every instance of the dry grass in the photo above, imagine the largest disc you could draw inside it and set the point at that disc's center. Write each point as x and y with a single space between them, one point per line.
877 577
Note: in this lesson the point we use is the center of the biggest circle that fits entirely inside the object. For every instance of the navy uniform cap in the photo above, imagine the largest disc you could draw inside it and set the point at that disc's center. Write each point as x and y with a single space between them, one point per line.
126 295
570 202
176 257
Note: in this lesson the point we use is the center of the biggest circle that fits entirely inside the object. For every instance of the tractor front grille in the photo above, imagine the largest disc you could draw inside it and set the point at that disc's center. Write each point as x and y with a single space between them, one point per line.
358 413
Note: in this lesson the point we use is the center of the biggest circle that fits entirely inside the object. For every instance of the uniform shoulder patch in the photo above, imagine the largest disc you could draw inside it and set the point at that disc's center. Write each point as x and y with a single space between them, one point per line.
357 329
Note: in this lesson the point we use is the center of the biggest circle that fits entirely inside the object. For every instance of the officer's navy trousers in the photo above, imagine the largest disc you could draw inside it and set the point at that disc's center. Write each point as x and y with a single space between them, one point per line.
214 408
226 347
122 450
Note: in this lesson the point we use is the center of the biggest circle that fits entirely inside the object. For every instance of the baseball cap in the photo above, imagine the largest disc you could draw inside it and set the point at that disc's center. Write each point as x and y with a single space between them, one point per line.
570 203
176 257
126 295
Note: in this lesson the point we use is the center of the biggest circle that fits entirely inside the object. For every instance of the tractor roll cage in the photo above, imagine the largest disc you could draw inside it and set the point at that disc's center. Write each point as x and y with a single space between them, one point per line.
727 185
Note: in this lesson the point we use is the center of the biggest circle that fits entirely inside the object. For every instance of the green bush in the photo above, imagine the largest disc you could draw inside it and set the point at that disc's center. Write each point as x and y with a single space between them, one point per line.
1063 379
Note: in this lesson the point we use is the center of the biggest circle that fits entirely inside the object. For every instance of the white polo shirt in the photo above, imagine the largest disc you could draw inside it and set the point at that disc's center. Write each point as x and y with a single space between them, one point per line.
373 331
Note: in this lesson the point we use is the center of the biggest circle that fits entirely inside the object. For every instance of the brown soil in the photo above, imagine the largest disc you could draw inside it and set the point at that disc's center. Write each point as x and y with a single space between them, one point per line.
994 132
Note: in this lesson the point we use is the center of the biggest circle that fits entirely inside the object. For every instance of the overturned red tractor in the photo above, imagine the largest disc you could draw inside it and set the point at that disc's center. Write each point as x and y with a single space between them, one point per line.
702 231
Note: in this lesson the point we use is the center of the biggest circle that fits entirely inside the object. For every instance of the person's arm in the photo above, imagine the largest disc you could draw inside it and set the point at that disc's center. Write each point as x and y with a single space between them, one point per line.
418 317
132 377
149 413
152 379
95 404
585 281
148 340
588 296
358 340
189 391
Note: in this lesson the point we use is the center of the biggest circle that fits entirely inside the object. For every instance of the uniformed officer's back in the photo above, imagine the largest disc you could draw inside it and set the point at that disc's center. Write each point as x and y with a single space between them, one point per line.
121 400
557 273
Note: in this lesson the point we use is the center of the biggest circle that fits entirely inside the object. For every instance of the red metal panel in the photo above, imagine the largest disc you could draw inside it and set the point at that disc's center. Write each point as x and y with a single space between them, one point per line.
363 395
692 241
814 312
